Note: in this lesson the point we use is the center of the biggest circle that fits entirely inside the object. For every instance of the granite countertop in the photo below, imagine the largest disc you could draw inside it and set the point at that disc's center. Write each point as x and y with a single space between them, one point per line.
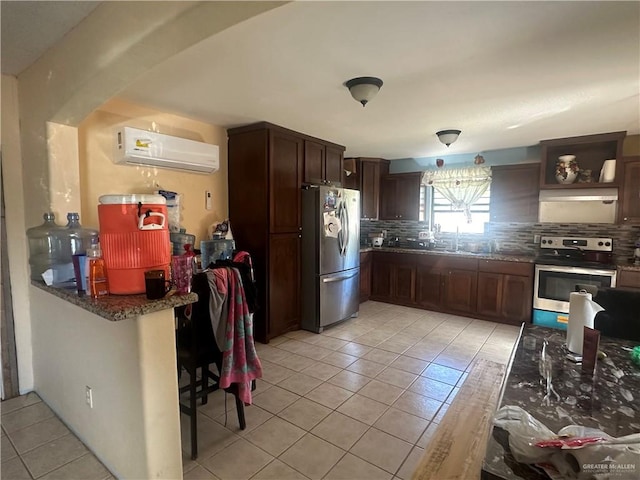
504 256
628 266
119 307
509 257
608 400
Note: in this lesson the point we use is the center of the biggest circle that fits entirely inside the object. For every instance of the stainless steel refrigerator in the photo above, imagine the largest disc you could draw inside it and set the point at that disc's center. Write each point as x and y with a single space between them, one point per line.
330 255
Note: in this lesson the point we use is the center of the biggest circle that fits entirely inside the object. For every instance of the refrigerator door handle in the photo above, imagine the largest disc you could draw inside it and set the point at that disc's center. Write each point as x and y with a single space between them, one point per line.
340 233
346 222
339 278
342 236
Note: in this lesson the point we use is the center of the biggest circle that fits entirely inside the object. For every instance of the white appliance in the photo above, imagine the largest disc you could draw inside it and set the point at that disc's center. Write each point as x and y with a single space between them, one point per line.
141 147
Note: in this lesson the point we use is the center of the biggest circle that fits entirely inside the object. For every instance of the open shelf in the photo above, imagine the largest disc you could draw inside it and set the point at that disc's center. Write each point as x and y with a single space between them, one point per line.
590 151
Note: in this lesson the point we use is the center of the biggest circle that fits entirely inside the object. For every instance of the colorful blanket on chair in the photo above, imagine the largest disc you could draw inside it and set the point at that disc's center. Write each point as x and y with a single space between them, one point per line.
240 363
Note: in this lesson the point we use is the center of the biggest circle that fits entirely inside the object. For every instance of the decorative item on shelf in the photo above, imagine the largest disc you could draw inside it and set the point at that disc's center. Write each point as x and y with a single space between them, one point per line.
448 136
478 159
567 169
363 89
608 172
584 176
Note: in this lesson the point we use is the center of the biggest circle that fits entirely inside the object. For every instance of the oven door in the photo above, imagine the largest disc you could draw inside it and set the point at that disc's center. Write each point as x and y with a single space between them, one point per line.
554 283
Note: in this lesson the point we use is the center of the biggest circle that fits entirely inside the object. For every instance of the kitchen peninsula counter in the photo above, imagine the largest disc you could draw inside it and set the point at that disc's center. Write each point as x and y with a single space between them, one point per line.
122 348
119 307
606 401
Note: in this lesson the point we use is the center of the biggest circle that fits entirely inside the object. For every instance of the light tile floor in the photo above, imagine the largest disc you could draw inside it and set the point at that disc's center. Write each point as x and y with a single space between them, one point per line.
36 444
359 401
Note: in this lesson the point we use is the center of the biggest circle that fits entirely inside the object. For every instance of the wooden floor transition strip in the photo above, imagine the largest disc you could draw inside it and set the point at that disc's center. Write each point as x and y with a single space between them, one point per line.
459 443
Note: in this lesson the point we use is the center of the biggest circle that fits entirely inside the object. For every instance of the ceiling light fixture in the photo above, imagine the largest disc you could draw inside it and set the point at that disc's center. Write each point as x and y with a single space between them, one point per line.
364 89
448 136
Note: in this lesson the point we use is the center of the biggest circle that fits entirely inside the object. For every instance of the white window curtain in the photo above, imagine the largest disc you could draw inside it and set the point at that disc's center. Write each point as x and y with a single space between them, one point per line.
461 186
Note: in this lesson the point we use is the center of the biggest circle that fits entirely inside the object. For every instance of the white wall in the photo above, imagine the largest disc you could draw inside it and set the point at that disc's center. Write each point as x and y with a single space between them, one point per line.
16 239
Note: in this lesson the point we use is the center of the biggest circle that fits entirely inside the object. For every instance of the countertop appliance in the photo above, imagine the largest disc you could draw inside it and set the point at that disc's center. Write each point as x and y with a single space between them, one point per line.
565 265
330 255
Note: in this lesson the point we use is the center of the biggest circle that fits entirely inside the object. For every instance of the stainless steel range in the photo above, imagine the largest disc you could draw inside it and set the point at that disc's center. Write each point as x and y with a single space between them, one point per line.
565 265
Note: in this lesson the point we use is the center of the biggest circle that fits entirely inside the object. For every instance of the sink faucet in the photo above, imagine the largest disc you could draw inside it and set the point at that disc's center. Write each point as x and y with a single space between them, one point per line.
456 245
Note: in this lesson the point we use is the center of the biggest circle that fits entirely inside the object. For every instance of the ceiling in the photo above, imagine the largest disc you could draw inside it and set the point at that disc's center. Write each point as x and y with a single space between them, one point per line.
508 74
30 28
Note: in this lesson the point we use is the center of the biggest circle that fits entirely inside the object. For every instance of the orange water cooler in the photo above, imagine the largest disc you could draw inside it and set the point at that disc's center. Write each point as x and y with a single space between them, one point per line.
134 236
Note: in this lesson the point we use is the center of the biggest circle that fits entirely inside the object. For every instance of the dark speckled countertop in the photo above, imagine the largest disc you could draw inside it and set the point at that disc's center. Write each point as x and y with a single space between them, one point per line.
509 257
622 264
608 401
119 307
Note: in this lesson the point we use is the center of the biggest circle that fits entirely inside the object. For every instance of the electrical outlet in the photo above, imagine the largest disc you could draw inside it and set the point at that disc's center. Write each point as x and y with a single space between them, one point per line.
89 396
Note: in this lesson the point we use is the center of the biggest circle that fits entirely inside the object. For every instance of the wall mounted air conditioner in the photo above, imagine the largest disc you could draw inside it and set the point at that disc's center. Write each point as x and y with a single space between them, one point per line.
140 147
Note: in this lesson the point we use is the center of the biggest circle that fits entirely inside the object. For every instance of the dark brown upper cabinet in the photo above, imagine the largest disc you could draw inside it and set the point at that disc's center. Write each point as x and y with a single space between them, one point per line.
400 196
514 193
366 178
322 162
630 191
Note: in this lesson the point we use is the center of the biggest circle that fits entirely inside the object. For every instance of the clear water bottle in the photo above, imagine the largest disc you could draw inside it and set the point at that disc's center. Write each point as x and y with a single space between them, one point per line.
74 238
44 247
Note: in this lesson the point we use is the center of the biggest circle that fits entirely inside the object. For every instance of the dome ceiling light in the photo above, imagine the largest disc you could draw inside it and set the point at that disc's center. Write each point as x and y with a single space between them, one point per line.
363 89
448 136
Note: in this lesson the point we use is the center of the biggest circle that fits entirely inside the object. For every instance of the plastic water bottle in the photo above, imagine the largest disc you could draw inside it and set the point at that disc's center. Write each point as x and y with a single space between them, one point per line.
44 248
74 238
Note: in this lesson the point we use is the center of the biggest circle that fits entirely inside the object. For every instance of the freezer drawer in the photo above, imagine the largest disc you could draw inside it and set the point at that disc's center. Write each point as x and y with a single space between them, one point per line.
327 299
339 296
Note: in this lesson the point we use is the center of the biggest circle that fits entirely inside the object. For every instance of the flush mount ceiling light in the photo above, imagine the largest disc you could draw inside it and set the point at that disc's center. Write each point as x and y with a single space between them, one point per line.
364 89
448 136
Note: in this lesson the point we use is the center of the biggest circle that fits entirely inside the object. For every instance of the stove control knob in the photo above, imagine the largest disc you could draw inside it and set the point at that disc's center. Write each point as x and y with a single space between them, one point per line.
544 241
607 244
600 244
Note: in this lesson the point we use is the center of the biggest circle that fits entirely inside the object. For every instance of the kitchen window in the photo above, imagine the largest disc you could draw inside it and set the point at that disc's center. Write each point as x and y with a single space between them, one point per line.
436 209
457 199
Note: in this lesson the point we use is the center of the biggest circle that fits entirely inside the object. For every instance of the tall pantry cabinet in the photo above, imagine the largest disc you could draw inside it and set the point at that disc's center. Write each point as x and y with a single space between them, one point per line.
266 172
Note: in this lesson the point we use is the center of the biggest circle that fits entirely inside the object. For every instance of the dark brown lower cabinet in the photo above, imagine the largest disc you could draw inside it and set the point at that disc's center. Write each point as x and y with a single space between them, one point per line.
381 278
488 289
284 283
628 279
505 291
460 291
393 278
404 283
365 276
429 287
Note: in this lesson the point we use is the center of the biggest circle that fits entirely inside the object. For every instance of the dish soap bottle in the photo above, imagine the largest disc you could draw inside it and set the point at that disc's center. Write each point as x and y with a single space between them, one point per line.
98 283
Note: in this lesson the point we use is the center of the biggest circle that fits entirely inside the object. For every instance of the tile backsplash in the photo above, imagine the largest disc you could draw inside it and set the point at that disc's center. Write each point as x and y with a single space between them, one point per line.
512 237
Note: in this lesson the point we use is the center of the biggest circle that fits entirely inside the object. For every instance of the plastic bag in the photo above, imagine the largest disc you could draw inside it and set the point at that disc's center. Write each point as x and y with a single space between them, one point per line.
574 452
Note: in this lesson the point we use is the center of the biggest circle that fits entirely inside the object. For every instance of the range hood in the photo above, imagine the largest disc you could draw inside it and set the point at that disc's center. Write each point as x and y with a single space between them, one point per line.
580 195
584 205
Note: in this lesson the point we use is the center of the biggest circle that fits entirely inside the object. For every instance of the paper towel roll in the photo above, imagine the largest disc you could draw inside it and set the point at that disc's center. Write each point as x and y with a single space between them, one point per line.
608 172
582 310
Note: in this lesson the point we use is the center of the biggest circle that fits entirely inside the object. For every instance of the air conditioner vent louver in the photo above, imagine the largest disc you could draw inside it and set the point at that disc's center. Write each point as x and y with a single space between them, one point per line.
140 147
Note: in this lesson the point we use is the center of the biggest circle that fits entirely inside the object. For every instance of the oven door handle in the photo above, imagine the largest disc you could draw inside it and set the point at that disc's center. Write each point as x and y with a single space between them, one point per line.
578 270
